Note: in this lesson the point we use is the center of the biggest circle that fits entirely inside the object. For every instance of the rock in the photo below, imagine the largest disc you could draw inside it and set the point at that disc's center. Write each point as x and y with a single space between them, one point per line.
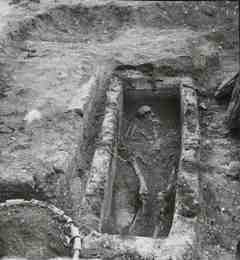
33 115
234 170
234 165
202 106
144 110
226 87
5 129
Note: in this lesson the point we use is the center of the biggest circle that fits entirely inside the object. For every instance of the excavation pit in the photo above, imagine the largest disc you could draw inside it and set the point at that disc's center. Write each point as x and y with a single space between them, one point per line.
143 181
152 138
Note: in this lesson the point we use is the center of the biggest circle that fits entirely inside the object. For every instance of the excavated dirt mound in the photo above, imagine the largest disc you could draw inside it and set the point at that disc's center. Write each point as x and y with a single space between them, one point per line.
31 232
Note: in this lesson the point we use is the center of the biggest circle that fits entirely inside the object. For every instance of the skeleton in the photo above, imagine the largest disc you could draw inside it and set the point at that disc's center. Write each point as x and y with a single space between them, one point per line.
143 112
164 206
143 192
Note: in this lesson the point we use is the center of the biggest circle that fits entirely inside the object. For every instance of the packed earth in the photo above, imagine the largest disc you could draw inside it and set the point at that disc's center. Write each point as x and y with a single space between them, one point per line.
119 130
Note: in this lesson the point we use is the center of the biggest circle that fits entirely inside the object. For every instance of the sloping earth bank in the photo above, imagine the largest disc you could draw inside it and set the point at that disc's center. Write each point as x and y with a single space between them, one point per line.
50 50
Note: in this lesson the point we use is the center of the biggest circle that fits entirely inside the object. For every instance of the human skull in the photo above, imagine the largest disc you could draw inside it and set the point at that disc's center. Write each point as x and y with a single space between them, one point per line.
144 110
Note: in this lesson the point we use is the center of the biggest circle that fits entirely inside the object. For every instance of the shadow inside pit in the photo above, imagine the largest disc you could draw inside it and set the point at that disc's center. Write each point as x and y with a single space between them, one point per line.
153 138
238 251
235 133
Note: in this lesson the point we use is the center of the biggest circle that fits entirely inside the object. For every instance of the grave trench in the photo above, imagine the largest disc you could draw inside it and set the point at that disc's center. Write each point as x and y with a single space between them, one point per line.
106 207
131 143
154 139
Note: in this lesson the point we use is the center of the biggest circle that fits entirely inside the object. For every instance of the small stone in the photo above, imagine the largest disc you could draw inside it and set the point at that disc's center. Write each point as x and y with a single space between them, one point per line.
208 142
234 166
202 106
234 170
33 115
34 202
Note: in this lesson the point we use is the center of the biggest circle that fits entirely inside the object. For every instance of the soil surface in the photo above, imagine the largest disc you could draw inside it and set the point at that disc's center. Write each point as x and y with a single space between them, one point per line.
219 223
48 52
